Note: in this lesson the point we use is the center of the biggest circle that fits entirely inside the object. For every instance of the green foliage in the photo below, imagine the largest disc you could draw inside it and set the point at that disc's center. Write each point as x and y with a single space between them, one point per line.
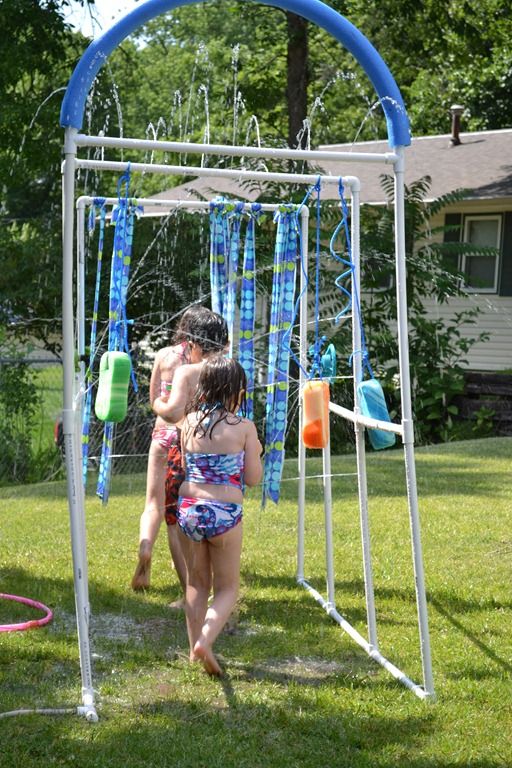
39 53
437 347
18 406
443 52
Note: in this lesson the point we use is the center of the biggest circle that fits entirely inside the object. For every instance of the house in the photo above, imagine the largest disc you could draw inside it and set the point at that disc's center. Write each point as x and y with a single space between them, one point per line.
479 163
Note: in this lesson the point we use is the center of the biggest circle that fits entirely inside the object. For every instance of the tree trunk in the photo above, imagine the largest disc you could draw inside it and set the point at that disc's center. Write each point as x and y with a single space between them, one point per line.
297 76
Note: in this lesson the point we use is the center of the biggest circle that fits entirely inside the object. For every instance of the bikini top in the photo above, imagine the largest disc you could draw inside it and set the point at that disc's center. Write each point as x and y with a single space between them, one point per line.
215 468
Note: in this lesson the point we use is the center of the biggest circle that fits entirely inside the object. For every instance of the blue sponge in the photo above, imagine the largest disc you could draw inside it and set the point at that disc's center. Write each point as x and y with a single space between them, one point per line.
373 404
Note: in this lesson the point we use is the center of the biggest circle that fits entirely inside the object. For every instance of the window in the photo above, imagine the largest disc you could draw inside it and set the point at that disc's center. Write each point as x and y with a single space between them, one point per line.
481 269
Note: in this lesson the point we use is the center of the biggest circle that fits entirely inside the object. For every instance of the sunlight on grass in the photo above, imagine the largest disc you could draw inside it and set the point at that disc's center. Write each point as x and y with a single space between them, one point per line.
297 691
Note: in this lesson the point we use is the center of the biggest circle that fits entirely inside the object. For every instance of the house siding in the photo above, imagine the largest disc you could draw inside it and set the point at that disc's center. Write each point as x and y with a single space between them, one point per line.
495 310
495 317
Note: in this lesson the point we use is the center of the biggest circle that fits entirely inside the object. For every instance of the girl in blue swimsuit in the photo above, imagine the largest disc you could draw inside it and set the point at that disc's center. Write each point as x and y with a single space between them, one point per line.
221 453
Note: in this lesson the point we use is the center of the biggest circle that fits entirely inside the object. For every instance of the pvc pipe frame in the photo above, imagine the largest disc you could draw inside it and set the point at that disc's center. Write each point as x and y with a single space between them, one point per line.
72 409
404 430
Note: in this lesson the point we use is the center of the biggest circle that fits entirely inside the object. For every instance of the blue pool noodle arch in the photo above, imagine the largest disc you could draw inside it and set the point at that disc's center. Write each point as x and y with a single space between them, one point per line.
73 104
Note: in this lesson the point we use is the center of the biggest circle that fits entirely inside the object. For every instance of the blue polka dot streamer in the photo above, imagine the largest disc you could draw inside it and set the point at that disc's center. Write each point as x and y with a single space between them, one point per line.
281 318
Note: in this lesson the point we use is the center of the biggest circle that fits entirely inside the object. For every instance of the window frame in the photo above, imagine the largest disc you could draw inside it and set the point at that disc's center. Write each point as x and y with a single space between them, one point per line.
467 218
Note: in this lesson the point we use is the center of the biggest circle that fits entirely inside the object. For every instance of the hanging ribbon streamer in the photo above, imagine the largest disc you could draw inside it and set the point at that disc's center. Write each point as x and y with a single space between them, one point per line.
234 213
247 308
123 217
225 223
281 317
219 250
98 203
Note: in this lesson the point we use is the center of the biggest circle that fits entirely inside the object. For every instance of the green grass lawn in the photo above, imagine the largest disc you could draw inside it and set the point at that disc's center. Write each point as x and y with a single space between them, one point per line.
297 690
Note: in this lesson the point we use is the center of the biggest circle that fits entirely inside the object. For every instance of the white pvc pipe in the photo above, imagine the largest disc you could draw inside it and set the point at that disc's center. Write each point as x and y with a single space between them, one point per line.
359 639
365 421
80 290
357 368
69 423
219 173
407 423
160 202
82 140
327 490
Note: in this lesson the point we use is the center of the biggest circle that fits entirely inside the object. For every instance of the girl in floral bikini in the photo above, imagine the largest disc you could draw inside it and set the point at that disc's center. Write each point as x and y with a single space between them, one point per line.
221 455
194 323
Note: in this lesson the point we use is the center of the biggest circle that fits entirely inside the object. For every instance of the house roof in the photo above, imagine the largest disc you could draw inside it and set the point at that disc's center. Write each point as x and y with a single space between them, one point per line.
480 164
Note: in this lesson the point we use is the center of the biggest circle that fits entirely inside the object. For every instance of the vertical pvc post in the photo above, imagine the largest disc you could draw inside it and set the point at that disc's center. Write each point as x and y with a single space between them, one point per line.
303 350
407 422
70 431
80 288
358 428
327 490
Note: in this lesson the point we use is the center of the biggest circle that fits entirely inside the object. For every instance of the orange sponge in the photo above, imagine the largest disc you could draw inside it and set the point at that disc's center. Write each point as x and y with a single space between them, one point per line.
315 430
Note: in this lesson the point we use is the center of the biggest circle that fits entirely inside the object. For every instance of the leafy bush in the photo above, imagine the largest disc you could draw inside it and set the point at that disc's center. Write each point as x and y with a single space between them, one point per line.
18 405
437 347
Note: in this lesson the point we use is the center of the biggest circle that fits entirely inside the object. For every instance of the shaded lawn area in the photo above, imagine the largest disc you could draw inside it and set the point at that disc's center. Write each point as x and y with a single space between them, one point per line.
297 690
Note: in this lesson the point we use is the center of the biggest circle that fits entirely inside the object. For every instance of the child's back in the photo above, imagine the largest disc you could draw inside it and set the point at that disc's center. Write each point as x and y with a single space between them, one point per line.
167 361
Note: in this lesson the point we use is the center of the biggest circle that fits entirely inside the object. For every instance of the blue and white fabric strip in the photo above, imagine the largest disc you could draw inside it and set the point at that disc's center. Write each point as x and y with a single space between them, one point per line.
281 316
123 218
219 249
248 308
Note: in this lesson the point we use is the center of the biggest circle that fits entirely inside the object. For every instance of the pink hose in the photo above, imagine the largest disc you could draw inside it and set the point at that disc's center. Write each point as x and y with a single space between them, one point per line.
34 623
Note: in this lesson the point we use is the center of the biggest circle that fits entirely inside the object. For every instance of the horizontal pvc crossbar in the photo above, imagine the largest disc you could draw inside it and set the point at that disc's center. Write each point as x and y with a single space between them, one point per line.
162 203
73 104
184 147
373 653
352 182
366 421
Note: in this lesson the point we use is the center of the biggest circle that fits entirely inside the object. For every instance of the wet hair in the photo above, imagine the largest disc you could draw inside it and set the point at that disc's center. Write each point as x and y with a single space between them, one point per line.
205 328
188 318
221 381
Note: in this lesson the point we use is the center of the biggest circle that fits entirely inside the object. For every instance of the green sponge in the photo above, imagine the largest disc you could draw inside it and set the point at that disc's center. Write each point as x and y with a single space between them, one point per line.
112 397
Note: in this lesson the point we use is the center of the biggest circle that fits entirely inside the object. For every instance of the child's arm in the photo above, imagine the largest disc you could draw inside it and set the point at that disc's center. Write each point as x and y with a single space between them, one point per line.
253 470
172 409
156 379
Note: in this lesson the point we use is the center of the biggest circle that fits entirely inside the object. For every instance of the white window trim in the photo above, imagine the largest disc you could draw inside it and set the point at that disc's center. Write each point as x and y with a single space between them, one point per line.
468 218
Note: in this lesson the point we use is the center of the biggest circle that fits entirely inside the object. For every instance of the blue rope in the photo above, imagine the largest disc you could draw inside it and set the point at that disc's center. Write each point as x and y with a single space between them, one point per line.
350 271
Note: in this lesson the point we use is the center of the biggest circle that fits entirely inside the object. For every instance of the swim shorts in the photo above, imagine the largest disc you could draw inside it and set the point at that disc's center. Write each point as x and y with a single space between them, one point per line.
173 479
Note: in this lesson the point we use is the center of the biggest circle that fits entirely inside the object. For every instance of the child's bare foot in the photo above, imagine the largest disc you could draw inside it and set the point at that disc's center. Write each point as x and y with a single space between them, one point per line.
141 577
205 655
178 605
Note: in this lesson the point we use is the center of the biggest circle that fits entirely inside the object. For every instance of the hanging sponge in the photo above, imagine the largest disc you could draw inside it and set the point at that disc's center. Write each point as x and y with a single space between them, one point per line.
373 404
112 397
315 430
